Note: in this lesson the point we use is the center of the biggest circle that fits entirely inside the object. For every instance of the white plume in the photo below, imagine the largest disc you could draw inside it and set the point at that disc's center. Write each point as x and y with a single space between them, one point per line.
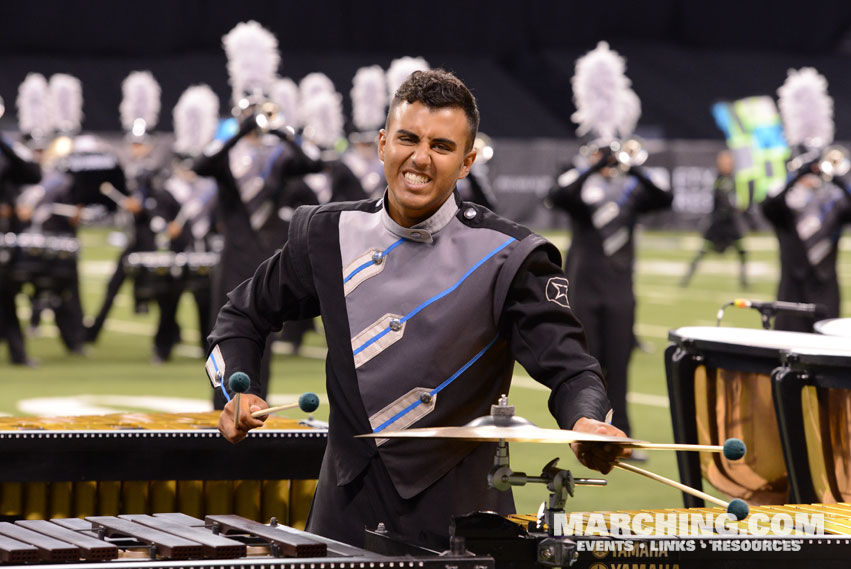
806 109
599 84
285 95
253 59
33 104
314 83
66 103
140 100
629 112
323 118
400 69
310 86
196 118
369 98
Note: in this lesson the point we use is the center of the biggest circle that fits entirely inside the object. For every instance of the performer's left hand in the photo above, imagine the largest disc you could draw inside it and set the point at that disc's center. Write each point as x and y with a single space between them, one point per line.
248 404
599 456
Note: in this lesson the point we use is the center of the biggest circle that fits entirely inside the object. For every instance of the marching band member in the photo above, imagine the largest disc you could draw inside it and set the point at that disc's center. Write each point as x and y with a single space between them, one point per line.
726 226
195 118
251 167
604 202
139 111
809 211
369 104
56 207
479 292
321 111
17 167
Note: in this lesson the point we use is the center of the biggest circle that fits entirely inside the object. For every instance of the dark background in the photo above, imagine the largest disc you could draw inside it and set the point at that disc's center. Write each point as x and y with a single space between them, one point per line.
517 56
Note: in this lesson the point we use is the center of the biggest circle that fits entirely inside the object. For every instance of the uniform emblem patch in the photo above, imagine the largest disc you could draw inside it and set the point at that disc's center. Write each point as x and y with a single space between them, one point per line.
557 291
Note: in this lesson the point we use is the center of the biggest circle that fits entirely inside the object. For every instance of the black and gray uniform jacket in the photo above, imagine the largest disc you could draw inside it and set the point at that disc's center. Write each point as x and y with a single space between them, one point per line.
603 215
423 327
808 223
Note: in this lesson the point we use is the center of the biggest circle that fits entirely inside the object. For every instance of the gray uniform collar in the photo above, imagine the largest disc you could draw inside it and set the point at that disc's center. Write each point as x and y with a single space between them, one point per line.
424 231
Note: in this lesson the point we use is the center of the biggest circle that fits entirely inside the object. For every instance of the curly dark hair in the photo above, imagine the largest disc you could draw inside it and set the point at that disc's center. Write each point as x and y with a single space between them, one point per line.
438 89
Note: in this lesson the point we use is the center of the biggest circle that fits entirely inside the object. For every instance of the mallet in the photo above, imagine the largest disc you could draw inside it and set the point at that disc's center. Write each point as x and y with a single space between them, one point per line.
239 383
307 402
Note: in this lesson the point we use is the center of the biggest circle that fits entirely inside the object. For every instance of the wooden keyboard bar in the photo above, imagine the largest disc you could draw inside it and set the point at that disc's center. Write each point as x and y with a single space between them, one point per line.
14 551
49 548
288 544
89 547
214 546
167 546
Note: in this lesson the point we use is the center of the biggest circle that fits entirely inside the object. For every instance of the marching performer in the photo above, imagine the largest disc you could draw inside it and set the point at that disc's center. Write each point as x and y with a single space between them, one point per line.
321 111
604 201
139 111
369 104
251 167
189 230
17 167
55 207
418 281
726 226
809 211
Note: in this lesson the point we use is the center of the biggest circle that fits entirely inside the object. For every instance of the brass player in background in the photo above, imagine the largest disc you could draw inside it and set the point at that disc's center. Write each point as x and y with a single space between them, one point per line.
810 210
605 201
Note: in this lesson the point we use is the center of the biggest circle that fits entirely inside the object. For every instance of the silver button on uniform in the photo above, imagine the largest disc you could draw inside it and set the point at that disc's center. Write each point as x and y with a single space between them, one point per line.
377 257
395 325
469 213
416 234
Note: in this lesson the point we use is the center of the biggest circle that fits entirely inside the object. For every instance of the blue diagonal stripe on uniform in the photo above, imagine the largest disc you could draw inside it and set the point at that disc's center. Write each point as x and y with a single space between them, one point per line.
368 263
437 389
435 298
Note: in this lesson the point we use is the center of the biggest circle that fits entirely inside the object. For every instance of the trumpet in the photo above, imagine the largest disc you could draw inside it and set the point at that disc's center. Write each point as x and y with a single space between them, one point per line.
268 116
830 161
483 147
834 161
266 113
629 153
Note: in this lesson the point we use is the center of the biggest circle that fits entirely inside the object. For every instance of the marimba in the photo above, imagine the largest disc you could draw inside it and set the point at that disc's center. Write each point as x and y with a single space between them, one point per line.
178 540
142 463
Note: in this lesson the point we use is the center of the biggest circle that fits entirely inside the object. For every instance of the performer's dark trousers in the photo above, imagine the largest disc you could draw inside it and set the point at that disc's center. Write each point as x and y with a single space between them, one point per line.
69 317
10 325
825 294
112 289
608 324
168 330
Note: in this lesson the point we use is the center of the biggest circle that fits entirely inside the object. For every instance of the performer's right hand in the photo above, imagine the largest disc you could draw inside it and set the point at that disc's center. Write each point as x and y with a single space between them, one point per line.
248 404
132 205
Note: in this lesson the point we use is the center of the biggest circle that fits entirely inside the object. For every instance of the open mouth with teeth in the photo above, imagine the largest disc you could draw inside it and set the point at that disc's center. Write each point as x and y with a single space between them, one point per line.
414 179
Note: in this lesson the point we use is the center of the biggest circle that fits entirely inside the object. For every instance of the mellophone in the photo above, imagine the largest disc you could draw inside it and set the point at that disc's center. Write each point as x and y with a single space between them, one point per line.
178 540
138 463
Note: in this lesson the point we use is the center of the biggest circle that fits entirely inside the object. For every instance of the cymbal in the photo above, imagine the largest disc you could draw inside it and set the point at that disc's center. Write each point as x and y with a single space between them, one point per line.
522 433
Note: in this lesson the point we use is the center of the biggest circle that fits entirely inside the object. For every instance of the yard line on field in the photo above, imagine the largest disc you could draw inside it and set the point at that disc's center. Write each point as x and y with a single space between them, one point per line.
526 382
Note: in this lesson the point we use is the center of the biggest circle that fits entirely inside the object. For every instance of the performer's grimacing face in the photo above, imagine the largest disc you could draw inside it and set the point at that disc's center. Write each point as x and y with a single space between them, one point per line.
425 151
